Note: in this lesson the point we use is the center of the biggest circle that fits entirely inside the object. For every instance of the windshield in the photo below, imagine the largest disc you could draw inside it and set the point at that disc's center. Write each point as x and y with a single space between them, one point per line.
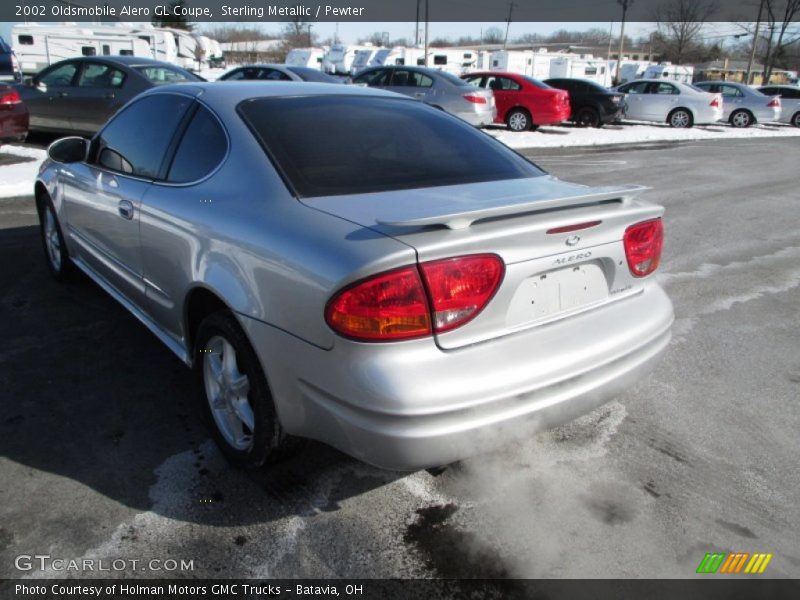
160 74
342 144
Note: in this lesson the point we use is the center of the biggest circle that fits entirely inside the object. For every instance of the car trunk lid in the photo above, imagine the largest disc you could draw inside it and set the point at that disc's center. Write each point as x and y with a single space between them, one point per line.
561 243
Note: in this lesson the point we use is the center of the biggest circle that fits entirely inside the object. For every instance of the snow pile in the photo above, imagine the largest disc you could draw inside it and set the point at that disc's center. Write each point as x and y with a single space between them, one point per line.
559 136
17 179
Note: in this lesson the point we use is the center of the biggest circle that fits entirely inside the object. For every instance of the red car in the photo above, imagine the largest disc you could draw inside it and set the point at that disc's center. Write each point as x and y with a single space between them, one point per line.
13 115
523 103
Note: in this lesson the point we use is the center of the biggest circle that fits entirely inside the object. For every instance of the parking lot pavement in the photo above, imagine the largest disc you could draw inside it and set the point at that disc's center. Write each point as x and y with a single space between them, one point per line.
102 455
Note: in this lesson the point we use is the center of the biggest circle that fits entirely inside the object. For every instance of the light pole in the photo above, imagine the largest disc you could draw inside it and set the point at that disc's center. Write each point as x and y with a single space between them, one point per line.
625 4
755 43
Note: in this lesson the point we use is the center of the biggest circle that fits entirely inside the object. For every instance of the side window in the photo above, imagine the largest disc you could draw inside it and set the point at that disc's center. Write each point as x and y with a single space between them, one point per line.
502 84
202 148
400 78
273 75
25 40
373 78
419 80
136 139
439 59
476 81
238 75
728 91
60 76
89 51
665 88
640 87
106 50
95 75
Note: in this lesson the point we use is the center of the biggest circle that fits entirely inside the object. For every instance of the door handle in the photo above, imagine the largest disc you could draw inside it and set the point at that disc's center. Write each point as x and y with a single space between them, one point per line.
125 208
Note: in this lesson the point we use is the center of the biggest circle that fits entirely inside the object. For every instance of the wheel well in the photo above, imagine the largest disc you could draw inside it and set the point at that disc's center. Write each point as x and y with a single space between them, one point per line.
40 193
200 303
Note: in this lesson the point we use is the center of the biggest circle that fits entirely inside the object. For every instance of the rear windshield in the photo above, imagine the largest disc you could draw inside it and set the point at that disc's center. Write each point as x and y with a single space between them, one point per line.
537 83
453 79
309 74
341 144
159 74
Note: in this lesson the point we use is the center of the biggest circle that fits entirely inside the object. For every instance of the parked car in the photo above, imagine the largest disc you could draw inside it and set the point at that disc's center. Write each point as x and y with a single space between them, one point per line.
440 89
80 94
9 65
522 102
790 101
743 106
679 104
266 72
349 265
13 115
591 105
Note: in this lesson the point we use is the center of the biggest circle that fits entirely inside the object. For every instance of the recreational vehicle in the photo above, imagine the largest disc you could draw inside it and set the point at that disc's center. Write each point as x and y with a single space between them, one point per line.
524 62
453 60
38 46
366 58
580 67
162 43
305 57
339 59
186 46
670 72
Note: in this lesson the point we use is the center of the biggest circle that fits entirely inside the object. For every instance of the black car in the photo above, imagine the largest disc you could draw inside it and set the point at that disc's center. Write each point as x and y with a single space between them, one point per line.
78 95
592 105
9 66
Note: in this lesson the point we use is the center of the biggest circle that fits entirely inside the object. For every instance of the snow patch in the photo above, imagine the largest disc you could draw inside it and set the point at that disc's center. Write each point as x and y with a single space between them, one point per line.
18 179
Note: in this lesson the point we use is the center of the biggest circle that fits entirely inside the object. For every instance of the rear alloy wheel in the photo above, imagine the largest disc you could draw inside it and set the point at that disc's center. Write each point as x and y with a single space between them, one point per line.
55 249
587 117
518 120
680 119
741 118
796 119
234 395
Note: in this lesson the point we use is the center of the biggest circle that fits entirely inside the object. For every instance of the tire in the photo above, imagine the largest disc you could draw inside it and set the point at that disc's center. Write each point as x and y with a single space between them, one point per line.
741 118
680 118
587 117
796 119
234 396
55 250
518 119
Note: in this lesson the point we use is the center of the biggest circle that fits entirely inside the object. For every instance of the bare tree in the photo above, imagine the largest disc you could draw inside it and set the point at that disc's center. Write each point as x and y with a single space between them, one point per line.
679 25
781 23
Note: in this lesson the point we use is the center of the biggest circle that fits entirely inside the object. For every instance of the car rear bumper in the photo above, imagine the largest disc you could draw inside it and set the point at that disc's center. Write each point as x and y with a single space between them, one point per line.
410 405
767 115
478 118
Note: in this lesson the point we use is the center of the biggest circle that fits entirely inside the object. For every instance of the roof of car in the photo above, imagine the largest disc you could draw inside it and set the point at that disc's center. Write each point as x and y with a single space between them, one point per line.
232 93
129 61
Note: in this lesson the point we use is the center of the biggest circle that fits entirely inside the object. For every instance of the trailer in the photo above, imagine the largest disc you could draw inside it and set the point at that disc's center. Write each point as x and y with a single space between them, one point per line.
162 43
581 67
670 72
305 57
38 46
524 62
339 59
453 60
368 57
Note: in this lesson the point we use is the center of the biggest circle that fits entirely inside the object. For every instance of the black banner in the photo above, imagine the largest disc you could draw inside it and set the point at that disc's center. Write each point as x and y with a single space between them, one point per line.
712 587
354 10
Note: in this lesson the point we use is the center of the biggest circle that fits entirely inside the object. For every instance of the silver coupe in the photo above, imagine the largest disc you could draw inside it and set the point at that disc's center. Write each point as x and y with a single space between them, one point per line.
354 266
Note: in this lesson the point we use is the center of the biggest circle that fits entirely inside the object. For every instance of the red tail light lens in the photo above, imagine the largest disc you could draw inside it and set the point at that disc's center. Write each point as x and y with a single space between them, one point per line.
11 97
460 288
394 305
715 102
389 306
774 103
475 98
643 243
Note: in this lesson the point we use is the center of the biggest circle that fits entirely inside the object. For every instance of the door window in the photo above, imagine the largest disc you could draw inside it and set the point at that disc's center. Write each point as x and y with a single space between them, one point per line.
729 91
640 87
59 76
135 141
374 78
502 84
664 89
273 75
95 75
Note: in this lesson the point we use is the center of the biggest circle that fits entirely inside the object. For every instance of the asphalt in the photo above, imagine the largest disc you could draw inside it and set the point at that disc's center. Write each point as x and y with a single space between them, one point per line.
102 455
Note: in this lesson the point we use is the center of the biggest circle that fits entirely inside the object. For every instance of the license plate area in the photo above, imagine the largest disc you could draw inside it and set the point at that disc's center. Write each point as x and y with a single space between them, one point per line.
559 292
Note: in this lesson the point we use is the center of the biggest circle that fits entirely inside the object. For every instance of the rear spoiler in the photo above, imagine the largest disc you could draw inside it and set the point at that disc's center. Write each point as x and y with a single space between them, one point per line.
463 219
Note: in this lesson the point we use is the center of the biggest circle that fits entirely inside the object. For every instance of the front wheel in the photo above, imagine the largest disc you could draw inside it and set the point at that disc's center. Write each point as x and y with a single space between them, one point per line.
680 119
741 118
55 250
235 397
518 120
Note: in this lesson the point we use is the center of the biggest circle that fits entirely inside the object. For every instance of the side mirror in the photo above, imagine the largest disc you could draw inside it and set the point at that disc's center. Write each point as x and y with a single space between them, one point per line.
69 150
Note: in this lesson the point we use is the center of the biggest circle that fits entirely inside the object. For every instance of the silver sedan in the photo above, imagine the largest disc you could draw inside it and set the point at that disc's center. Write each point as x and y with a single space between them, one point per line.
349 265
743 106
678 104
272 72
790 101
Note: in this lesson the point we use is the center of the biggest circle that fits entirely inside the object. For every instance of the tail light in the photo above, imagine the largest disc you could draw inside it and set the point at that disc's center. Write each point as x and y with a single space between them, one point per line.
643 243
475 98
774 103
10 97
413 301
715 103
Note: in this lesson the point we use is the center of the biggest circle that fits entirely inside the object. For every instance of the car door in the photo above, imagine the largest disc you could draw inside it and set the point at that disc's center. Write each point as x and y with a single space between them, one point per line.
406 82
663 98
732 97
378 78
506 93
636 99
96 95
102 196
47 97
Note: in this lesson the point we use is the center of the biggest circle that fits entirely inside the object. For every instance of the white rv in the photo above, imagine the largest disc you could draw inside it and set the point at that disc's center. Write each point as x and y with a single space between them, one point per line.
633 69
580 67
38 46
524 62
162 43
186 45
305 57
339 59
453 60
670 72
364 58
399 55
